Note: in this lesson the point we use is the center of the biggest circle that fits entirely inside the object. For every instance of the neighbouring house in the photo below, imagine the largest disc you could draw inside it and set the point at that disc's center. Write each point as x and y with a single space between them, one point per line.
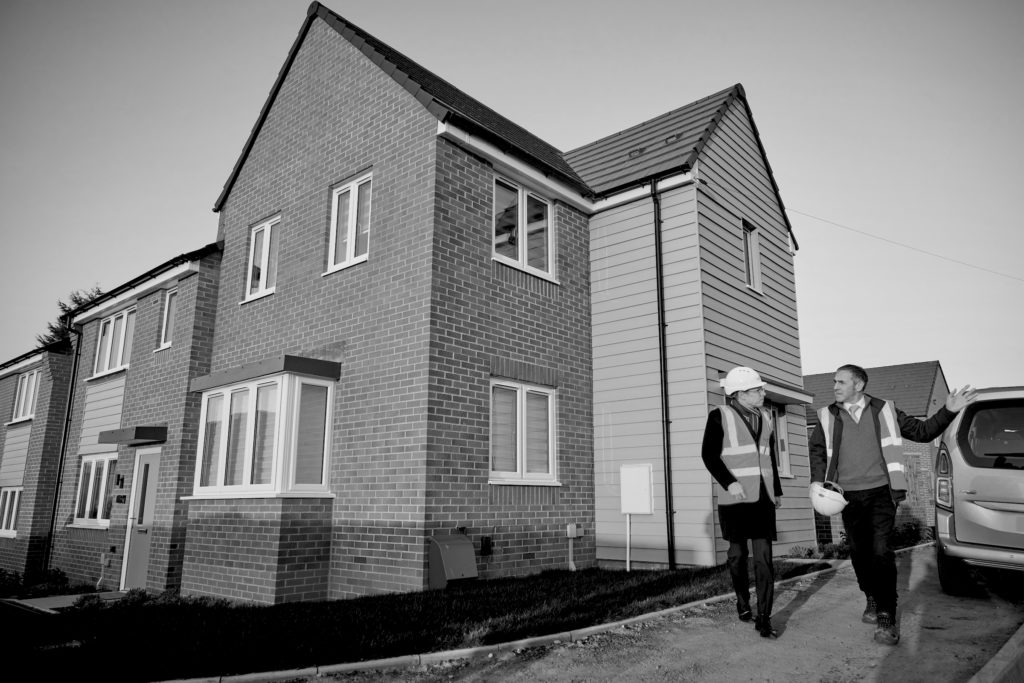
427 345
692 274
918 389
33 405
131 437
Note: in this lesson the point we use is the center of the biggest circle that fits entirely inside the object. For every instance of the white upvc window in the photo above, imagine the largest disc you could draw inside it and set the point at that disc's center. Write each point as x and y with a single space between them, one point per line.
350 223
167 324
780 426
114 348
751 256
25 395
522 434
523 234
95 495
10 501
261 275
267 436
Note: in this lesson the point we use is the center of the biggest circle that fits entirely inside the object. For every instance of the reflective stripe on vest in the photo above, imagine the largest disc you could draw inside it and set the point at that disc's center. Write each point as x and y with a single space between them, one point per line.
745 459
890 440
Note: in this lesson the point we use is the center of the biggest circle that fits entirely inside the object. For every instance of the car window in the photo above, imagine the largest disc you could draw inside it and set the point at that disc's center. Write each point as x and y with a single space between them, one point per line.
992 434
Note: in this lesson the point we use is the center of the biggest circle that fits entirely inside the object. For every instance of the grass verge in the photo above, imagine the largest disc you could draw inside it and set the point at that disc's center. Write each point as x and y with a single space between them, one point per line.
142 638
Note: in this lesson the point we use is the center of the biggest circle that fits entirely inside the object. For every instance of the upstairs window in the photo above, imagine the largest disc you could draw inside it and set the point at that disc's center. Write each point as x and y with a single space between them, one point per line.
751 256
262 273
522 433
523 235
25 395
95 496
114 349
350 223
265 436
167 326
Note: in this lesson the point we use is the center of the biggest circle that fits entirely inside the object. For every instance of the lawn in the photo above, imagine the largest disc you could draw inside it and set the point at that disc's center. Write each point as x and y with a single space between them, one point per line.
143 638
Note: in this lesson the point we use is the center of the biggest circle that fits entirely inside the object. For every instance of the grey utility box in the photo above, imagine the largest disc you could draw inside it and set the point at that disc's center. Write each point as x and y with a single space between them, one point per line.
451 558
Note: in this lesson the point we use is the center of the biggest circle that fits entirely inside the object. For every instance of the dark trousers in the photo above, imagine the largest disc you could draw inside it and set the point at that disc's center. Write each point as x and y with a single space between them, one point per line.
764 573
869 518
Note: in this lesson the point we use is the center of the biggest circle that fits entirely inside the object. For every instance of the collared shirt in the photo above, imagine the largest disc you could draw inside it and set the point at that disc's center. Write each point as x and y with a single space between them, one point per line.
861 405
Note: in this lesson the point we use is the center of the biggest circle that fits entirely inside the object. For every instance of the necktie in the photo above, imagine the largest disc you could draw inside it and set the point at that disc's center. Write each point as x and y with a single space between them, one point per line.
854 410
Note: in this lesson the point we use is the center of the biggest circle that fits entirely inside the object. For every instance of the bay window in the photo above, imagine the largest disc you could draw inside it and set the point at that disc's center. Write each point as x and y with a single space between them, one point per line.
266 436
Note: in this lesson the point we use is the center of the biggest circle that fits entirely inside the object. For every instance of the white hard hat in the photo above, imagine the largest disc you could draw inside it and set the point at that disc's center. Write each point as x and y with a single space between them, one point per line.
741 379
825 500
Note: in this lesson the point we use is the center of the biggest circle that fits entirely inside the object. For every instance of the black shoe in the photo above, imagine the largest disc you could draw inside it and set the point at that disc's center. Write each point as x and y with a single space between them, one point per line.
870 615
887 632
764 627
743 610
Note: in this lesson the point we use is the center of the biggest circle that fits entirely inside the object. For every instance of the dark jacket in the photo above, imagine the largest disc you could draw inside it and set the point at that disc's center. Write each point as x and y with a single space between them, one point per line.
910 428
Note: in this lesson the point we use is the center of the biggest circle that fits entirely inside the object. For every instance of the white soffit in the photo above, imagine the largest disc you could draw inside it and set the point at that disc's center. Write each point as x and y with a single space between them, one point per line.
164 280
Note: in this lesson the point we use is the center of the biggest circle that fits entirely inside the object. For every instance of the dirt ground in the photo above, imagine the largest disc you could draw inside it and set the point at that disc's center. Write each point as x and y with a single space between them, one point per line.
822 639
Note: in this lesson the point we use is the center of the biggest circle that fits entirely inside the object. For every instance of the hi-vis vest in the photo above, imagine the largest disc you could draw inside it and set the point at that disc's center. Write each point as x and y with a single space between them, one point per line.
891 442
746 460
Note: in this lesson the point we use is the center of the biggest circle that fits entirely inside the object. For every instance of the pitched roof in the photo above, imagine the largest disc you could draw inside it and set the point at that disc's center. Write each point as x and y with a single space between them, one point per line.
663 146
437 95
909 386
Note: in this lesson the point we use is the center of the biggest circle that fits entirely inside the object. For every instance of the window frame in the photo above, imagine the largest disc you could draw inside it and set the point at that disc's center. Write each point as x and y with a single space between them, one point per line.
283 460
780 426
109 461
521 262
269 227
752 256
167 318
125 340
25 395
10 506
521 476
350 258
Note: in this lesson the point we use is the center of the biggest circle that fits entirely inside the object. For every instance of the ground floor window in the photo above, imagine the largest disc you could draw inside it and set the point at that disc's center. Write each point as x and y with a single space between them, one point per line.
265 436
522 433
10 499
95 490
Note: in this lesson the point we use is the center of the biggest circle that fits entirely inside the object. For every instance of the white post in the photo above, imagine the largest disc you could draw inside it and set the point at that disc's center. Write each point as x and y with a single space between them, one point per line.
627 541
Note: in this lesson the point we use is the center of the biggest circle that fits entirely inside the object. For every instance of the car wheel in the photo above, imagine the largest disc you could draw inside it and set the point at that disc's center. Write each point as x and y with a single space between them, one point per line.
954 578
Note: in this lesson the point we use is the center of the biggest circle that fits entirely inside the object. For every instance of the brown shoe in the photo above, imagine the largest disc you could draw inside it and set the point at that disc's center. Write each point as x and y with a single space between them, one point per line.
887 632
870 615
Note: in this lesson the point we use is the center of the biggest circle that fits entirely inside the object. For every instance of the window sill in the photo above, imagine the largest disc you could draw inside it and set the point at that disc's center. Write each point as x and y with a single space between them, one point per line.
8 534
162 347
257 296
344 266
522 482
106 373
94 527
755 290
787 475
224 495
529 271
19 420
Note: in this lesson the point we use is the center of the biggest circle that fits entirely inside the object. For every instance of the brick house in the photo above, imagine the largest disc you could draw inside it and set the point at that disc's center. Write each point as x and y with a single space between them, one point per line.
401 348
33 402
918 389
131 437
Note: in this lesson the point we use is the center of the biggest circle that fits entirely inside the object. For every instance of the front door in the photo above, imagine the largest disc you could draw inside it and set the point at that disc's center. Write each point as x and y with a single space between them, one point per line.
140 523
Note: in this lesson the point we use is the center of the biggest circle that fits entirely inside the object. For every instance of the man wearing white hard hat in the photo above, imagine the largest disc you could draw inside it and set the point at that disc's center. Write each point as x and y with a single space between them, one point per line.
739 452
858 444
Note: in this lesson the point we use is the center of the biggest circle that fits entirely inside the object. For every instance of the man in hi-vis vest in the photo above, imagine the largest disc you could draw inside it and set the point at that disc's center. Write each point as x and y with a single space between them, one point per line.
739 452
858 444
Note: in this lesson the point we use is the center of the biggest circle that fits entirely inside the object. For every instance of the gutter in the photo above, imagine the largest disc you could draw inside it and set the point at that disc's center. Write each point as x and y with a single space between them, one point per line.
666 422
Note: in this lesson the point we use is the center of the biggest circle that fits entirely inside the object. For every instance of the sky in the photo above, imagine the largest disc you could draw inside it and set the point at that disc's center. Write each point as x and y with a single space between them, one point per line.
891 128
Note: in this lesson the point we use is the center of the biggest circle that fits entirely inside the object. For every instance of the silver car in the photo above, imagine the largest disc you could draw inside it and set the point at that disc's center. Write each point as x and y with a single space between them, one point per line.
979 489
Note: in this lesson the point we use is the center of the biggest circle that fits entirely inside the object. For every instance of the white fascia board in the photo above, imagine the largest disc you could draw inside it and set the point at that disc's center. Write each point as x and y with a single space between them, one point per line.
31 360
522 172
164 280
514 168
